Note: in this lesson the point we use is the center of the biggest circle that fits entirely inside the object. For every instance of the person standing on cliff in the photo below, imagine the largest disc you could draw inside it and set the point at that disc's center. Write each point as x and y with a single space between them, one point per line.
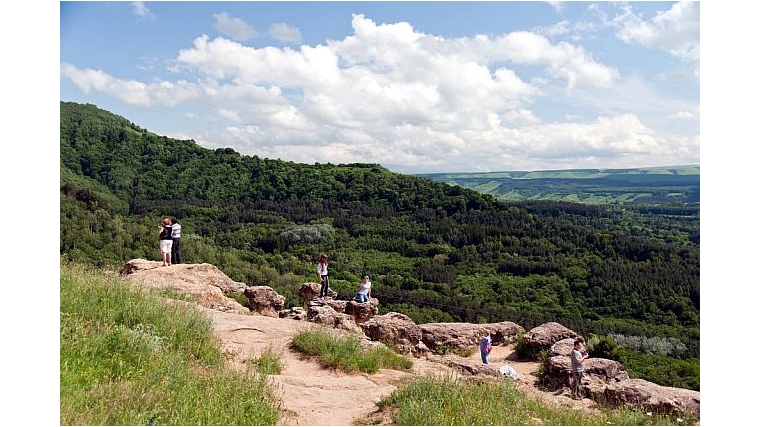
176 232
323 276
485 345
165 241
577 356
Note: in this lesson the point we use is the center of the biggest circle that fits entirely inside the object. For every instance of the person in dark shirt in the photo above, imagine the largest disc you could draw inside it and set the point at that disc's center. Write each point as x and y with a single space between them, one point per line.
165 241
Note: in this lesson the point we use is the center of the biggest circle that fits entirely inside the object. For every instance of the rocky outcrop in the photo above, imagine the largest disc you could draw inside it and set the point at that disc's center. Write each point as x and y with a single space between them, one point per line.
396 330
326 315
647 396
362 311
606 382
205 283
442 337
547 334
310 290
295 313
264 300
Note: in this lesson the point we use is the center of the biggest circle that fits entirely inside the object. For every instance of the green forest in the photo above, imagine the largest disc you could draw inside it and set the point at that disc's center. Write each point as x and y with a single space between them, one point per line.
436 252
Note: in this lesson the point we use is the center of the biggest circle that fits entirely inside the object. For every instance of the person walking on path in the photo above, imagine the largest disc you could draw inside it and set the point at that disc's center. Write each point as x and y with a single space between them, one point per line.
165 241
485 345
323 276
176 232
364 293
577 356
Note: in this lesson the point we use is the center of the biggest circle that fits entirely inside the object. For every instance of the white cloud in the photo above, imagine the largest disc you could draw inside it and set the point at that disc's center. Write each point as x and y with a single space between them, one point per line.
235 28
558 6
141 10
285 33
675 31
391 95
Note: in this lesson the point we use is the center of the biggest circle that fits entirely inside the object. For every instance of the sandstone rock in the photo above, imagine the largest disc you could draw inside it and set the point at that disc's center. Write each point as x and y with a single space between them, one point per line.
264 300
392 327
547 334
295 313
326 315
310 290
204 282
362 311
440 337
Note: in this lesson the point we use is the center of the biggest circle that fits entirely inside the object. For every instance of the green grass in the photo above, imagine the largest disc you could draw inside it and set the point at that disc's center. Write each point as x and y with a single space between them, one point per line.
445 401
345 352
269 362
127 358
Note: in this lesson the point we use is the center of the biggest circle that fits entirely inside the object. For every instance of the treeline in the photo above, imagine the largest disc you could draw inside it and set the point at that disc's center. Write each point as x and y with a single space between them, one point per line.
436 252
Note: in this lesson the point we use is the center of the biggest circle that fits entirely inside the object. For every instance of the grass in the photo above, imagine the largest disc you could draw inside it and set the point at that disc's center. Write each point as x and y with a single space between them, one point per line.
345 353
446 401
127 358
269 362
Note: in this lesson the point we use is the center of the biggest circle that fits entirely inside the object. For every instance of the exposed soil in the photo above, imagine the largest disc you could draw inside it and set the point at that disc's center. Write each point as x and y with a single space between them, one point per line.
314 395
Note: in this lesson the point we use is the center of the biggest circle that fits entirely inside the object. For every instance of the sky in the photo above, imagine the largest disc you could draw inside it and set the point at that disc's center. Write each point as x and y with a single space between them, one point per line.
417 87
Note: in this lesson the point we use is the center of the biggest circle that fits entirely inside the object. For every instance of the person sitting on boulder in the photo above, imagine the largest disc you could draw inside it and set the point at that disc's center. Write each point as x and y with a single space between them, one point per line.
364 293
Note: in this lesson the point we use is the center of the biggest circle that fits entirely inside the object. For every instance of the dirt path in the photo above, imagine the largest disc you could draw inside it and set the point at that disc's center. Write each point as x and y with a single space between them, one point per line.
312 395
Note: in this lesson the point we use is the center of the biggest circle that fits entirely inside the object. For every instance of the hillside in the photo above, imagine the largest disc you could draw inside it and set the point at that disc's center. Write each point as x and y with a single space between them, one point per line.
436 252
657 185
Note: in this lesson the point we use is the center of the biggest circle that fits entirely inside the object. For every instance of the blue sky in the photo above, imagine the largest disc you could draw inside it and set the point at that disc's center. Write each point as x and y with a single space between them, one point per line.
414 86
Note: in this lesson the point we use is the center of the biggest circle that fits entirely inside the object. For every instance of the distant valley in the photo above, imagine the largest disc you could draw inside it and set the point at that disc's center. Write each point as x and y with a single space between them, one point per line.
656 185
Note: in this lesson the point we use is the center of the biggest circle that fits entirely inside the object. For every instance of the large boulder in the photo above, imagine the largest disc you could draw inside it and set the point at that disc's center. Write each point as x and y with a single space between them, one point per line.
392 327
204 283
643 395
558 371
547 334
362 311
310 290
443 337
326 315
264 300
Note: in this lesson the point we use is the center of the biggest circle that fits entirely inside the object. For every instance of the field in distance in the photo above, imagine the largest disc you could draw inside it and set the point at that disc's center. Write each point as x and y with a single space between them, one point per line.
655 185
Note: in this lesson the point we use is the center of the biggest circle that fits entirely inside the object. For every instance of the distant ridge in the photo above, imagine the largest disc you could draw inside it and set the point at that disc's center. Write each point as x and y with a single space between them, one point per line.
650 185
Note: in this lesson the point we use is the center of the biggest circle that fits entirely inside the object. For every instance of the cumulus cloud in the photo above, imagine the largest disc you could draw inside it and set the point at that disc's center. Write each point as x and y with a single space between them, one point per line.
392 95
675 30
235 28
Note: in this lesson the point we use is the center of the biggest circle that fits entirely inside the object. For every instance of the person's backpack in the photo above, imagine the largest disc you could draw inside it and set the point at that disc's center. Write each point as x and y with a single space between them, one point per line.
487 348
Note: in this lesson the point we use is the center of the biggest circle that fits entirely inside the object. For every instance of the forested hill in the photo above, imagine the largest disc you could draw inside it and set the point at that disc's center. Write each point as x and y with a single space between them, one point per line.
436 252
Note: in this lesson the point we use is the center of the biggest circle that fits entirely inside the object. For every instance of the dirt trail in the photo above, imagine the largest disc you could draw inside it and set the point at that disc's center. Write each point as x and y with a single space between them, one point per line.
313 395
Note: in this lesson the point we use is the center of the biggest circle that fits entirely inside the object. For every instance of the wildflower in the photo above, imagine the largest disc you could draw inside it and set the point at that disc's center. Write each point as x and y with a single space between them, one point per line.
679 420
649 414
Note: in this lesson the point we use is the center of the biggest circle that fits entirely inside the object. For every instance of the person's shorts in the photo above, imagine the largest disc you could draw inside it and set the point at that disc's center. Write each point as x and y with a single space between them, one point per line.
166 246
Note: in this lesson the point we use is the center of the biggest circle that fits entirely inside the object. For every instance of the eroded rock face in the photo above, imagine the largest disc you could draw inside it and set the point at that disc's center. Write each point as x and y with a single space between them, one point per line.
394 328
362 311
295 313
326 315
606 382
562 347
648 396
310 290
205 283
558 370
440 337
264 300
547 334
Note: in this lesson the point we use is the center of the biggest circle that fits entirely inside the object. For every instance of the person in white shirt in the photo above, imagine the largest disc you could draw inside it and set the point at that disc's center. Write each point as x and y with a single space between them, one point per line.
176 232
364 293
323 277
